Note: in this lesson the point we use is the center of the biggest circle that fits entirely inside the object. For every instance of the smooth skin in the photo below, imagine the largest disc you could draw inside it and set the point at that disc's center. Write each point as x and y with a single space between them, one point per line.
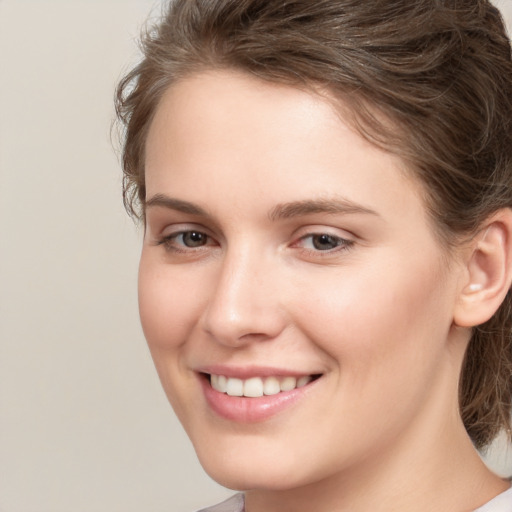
276 236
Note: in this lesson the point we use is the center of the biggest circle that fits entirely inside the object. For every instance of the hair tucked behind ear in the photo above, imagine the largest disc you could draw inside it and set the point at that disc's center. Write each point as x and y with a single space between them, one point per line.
485 389
430 80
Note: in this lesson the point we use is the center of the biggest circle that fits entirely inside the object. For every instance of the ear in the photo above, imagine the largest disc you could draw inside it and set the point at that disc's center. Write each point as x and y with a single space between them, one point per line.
488 273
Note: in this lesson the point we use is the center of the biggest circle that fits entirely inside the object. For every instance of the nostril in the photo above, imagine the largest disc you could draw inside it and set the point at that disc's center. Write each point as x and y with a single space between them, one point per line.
241 330
256 336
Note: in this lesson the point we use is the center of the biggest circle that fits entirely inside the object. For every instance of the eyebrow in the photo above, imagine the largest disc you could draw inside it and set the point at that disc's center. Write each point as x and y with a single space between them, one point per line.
279 212
312 206
175 204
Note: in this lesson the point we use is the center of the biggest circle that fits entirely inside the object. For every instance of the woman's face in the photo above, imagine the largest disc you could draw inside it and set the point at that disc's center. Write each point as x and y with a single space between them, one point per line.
294 262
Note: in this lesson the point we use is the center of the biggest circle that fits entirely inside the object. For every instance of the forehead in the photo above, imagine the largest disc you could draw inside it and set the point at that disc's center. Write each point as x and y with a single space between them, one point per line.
278 142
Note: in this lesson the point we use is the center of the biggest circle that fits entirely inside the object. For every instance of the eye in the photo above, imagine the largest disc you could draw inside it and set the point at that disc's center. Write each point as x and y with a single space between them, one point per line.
191 238
323 242
185 240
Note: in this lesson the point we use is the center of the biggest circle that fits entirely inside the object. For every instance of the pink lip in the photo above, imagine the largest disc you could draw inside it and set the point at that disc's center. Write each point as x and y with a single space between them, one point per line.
251 410
247 372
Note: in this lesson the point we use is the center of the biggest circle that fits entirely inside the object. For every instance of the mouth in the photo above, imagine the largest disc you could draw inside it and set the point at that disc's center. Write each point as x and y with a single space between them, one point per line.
256 394
257 387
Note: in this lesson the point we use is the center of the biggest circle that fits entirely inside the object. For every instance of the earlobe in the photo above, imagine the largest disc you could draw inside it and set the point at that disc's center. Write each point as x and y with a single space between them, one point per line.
489 272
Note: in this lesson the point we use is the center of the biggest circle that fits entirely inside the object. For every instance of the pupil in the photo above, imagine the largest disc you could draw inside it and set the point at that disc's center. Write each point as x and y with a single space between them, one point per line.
324 242
193 239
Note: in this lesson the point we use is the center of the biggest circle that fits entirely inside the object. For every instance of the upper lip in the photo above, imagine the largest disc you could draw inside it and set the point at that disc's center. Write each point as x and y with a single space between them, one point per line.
246 372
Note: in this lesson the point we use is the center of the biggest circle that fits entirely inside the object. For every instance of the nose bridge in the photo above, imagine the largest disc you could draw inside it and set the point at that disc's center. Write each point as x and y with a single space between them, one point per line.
244 305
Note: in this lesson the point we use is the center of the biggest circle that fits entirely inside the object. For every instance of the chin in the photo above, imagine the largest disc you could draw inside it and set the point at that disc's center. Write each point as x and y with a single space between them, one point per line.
244 473
251 480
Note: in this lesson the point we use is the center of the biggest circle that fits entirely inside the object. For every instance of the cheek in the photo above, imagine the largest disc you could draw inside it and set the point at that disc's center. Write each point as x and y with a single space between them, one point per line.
380 321
385 339
167 306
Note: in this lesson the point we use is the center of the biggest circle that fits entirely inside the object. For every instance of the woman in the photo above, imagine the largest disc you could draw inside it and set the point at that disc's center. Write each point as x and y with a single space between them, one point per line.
324 281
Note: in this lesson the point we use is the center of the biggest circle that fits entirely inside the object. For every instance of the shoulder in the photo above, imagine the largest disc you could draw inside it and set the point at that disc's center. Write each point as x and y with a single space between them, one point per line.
233 504
501 503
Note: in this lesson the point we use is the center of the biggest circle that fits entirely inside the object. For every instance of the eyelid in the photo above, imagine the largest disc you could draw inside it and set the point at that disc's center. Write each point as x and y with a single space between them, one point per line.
343 241
167 237
322 229
182 227
346 240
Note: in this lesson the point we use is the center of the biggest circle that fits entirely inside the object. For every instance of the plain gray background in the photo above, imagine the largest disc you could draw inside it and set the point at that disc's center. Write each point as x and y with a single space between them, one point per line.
84 425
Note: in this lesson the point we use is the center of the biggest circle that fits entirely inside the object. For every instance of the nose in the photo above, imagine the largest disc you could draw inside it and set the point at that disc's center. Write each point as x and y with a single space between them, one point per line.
244 304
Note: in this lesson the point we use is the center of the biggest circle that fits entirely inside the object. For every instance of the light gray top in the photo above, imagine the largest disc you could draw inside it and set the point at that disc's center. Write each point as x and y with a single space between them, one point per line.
501 503
233 504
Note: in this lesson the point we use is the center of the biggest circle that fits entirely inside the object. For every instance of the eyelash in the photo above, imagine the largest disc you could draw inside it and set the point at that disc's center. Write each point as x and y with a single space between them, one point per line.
341 244
169 241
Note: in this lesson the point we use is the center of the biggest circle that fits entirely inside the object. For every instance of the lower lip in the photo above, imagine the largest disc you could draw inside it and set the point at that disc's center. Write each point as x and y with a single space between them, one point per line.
251 410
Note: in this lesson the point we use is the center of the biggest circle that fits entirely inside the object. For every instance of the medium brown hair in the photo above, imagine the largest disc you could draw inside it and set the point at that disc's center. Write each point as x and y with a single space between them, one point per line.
439 72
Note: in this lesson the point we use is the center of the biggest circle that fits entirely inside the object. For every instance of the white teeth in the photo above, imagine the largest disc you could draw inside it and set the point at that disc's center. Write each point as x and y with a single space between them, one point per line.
256 386
253 387
219 383
288 383
235 387
271 386
303 381
214 381
222 384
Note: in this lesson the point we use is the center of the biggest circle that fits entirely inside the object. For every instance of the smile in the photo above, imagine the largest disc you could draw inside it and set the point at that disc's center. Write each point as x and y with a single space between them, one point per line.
256 387
252 398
